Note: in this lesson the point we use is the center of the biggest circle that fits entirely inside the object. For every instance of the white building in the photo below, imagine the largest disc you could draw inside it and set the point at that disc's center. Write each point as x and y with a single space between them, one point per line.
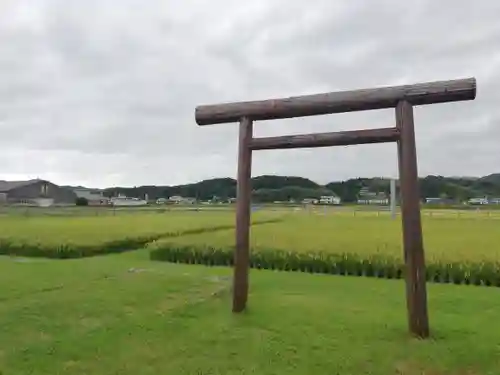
329 199
127 201
366 196
94 197
478 201
181 200
309 201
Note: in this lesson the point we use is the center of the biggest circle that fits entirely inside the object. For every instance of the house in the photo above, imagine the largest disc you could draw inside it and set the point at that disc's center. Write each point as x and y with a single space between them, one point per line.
479 201
127 201
365 196
309 201
161 201
442 201
329 199
177 199
35 192
94 197
433 200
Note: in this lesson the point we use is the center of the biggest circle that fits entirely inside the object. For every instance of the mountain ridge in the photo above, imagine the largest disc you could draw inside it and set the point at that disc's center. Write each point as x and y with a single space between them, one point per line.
277 187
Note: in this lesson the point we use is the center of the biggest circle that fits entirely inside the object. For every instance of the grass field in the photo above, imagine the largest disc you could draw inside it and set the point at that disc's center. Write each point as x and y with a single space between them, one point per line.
125 314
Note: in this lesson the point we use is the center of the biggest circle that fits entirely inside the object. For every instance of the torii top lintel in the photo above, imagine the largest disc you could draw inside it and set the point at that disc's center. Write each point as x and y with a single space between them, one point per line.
338 102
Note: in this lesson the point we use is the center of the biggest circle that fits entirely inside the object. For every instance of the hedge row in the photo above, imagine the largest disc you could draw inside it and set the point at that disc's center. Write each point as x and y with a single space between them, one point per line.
72 250
381 266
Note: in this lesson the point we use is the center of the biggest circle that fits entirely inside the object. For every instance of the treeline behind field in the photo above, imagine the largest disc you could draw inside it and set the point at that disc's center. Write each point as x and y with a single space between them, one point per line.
284 188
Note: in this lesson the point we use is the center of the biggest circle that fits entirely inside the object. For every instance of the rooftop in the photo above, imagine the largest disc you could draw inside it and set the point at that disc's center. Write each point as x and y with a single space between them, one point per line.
9 185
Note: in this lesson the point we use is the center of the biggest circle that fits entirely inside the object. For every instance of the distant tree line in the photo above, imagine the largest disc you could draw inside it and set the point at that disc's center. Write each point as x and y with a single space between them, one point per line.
284 188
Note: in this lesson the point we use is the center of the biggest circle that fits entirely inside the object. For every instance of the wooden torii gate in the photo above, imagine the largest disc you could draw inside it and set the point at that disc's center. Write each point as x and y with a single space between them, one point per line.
403 99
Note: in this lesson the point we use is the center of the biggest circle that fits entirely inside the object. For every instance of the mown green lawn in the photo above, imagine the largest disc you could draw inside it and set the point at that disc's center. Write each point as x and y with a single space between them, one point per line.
123 314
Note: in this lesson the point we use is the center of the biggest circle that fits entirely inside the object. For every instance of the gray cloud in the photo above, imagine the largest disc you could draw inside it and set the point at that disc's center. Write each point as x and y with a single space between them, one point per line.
98 94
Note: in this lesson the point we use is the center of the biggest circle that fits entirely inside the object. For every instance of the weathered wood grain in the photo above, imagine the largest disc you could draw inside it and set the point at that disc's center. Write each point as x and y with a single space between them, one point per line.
413 247
342 138
337 102
243 200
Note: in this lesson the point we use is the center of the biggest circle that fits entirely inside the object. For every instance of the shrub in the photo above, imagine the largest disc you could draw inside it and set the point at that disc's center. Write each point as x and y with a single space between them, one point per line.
379 265
81 201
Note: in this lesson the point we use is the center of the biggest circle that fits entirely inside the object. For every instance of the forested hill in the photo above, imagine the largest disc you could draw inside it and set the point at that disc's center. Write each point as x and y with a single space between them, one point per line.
281 188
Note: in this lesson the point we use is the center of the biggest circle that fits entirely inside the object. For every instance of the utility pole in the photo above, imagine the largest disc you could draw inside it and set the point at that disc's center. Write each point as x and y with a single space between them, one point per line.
393 198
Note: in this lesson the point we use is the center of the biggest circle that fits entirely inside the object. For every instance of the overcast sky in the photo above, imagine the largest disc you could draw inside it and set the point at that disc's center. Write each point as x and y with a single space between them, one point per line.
103 92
